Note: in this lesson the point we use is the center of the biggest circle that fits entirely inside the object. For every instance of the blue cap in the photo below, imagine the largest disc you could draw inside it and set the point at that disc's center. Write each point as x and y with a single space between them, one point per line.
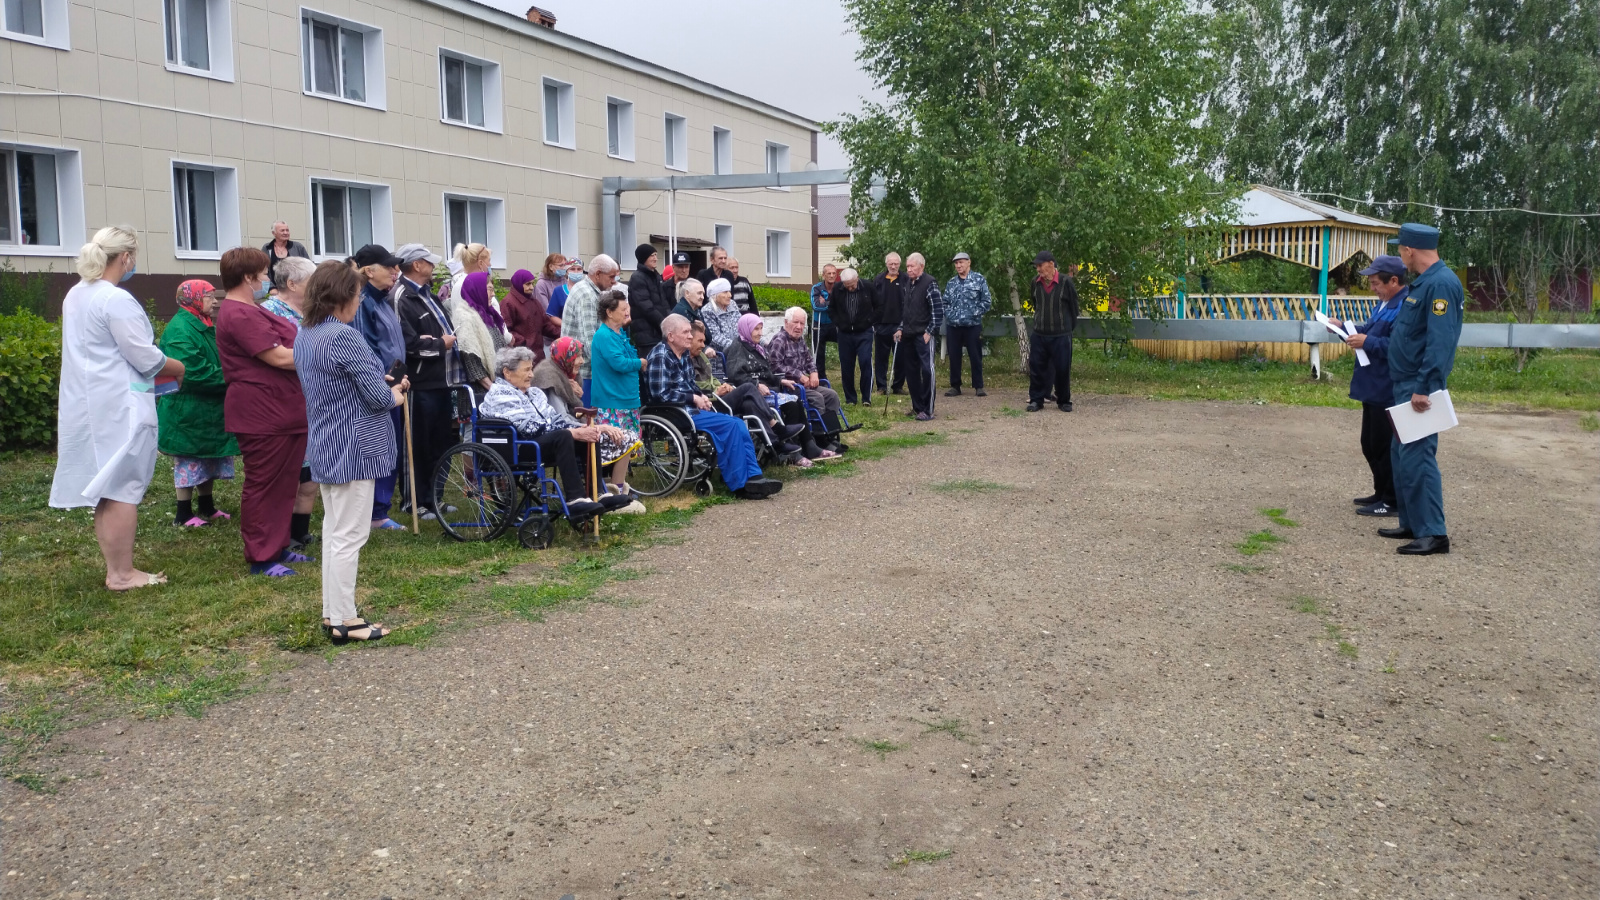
1387 265
1418 237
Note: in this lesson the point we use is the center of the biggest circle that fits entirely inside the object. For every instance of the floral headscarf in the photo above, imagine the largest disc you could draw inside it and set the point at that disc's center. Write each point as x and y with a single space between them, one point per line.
747 331
475 290
522 277
565 351
192 296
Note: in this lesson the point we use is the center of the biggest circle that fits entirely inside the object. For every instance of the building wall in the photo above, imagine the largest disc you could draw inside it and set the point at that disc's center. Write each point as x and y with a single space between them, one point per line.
828 251
113 99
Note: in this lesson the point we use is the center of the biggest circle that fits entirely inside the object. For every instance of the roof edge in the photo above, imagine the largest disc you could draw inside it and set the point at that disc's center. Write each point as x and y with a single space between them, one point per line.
522 26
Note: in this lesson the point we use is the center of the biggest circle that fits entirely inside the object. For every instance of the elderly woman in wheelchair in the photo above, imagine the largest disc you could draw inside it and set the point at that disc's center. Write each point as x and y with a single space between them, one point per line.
748 363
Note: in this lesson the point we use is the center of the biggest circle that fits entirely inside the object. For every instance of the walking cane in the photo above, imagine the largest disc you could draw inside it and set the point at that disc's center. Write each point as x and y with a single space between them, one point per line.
411 469
889 378
932 375
594 474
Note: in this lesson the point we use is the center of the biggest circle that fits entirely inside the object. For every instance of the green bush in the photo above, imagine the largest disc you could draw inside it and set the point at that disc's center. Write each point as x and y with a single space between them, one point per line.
22 291
30 365
777 299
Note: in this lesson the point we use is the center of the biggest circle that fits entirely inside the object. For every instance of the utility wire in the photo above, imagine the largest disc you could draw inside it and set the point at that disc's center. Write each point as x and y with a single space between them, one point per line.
1434 206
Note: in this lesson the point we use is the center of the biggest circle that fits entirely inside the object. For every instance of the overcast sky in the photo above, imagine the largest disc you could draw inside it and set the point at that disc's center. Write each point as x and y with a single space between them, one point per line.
796 54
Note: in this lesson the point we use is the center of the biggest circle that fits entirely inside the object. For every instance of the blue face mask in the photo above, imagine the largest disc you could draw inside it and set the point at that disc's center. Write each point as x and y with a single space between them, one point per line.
128 274
262 291
574 277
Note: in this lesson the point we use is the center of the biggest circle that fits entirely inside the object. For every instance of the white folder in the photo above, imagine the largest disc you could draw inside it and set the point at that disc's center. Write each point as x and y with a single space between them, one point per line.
1410 425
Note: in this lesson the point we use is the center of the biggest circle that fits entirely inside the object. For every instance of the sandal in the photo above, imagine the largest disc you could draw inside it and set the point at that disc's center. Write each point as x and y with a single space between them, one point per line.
292 556
340 634
388 525
271 570
194 522
151 580
219 514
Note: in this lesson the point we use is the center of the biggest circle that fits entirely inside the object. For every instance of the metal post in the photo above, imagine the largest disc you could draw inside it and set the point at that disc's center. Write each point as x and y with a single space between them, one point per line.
1322 288
610 219
672 224
1183 282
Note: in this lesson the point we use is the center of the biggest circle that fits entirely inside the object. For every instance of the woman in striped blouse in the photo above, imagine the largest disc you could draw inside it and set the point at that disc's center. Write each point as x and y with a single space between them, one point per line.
348 399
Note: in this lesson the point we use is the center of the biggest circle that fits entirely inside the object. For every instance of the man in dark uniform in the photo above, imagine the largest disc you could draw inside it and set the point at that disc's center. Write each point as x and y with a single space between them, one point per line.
890 290
1370 383
1055 312
1422 351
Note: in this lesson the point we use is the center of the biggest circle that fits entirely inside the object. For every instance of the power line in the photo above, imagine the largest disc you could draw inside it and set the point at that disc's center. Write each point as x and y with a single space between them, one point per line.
1434 206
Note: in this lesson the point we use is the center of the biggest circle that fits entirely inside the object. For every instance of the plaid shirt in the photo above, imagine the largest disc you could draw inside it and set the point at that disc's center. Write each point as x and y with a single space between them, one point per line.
967 299
669 378
790 357
581 317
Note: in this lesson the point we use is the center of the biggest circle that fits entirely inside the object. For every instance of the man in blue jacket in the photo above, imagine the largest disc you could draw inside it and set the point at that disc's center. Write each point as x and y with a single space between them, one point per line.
1370 383
1422 351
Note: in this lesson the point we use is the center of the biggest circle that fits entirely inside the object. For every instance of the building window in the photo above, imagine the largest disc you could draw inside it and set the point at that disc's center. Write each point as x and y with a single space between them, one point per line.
619 128
25 17
342 60
346 217
627 239
724 238
199 37
469 91
675 143
559 127
36 21
777 254
561 230
476 220
721 151
205 210
41 201
777 160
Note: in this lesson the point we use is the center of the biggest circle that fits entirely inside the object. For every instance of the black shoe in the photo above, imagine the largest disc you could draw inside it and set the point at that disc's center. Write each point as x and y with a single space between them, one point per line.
1399 534
1426 545
980 392
1379 510
839 447
785 432
953 392
1367 501
611 502
761 488
583 507
1034 406
1065 407
749 493
899 390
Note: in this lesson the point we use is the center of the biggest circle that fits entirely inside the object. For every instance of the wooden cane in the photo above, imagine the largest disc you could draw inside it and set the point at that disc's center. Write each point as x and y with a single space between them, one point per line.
411 469
594 475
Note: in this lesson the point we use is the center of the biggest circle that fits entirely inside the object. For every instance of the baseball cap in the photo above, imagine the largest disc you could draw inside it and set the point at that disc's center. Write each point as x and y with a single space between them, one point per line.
680 259
1387 265
375 255
410 253
961 255
1044 257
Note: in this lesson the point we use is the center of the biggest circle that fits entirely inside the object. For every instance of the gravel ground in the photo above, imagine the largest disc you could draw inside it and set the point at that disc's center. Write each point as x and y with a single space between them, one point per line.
1077 697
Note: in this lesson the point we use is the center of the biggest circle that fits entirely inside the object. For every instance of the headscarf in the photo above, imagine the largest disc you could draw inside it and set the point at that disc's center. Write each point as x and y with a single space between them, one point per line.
564 352
192 295
747 331
718 286
475 290
522 277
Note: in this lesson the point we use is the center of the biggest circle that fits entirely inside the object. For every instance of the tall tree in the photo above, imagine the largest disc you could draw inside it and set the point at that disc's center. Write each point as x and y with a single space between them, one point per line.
1020 125
1470 104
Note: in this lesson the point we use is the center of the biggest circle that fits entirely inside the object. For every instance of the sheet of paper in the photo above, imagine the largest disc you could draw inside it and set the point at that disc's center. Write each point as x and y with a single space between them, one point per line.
1361 355
1410 425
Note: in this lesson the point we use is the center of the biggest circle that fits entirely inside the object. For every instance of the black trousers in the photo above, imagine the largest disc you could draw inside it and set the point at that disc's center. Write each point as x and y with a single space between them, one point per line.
1377 431
826 334
433 431
745 400
883 351
1050 365
918 356
855 348
557 448
967 338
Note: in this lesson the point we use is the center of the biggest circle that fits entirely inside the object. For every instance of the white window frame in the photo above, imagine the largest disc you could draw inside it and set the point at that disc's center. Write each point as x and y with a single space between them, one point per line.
494 221
722 235
493 112
69 201
372 60
566 117
721 150
785 254
53 19
382 213
780 165
226 205
627 239
568 239
675 146
624 128
219 39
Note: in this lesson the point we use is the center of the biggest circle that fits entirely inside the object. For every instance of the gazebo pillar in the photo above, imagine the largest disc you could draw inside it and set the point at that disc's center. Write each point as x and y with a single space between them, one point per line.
1322 305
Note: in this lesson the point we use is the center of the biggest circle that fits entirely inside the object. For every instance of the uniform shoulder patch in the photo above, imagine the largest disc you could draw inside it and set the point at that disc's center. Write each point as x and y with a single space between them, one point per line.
1440 306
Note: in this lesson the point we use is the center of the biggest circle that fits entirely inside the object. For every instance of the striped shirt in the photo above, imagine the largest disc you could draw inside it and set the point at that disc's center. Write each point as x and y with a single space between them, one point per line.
350 435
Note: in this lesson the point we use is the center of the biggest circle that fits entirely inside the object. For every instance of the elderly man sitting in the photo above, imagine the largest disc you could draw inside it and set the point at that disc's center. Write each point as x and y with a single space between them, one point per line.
791 358
670 380
514 398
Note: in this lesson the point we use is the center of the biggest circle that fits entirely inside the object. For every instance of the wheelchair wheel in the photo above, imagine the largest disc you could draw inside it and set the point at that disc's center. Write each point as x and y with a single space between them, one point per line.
536 533
702 487
477 484
660 466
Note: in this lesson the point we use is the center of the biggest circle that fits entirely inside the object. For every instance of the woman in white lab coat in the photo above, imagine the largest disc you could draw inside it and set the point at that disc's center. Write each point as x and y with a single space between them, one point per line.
106 431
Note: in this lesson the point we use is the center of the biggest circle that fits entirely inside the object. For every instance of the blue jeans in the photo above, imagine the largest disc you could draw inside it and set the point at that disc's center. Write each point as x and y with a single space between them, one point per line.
855 348
383 488
736 453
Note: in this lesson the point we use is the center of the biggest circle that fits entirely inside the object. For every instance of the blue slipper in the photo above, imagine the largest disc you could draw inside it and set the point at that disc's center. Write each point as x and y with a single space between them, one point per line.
389 525
271 570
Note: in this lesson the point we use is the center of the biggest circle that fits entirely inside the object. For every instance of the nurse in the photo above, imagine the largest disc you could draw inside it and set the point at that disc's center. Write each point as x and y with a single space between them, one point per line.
106 425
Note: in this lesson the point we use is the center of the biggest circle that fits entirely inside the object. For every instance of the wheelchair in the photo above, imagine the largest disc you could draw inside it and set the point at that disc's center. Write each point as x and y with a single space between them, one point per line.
824 432
494 480
676 453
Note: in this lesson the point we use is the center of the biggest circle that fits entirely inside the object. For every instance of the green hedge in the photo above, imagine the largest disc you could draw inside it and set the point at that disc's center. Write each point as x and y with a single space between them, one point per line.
30 365
777 299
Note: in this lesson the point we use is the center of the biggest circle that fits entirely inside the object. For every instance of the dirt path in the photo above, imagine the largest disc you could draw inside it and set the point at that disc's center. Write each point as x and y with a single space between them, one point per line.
1122 714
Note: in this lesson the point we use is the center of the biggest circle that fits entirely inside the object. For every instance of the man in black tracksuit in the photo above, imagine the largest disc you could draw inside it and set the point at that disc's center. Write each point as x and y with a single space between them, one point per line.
1055 311
853 307
922 315
890 291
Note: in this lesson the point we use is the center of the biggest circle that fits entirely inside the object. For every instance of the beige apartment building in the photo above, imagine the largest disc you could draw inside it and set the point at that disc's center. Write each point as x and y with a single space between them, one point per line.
202 122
